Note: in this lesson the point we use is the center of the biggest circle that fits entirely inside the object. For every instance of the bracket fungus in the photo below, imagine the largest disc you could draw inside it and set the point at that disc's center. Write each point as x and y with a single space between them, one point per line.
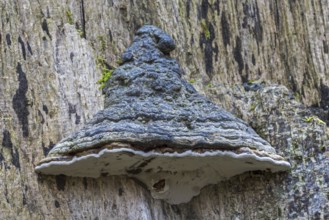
156 128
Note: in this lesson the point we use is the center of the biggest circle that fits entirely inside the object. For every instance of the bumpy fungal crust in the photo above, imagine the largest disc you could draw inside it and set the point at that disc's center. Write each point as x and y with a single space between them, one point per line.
155 127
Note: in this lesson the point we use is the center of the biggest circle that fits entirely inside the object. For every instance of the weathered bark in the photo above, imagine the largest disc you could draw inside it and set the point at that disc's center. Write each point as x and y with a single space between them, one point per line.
49 51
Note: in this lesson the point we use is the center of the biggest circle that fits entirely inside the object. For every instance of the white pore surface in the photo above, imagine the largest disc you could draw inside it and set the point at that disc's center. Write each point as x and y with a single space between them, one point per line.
183 175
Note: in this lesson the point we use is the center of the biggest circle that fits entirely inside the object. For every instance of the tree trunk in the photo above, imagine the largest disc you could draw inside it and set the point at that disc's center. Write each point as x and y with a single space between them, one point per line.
49 56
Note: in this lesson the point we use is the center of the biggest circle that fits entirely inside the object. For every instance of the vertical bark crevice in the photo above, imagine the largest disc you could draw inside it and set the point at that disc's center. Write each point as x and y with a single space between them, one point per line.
20 102
7 143
83 19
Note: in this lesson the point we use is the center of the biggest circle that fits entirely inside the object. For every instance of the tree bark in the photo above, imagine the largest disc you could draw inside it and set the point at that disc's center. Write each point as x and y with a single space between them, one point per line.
49 53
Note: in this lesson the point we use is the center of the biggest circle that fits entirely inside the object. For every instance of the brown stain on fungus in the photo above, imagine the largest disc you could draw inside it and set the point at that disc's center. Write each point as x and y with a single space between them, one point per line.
159 185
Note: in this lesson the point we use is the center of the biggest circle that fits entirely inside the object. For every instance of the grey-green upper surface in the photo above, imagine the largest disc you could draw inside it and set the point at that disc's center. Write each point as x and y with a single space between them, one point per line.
149 105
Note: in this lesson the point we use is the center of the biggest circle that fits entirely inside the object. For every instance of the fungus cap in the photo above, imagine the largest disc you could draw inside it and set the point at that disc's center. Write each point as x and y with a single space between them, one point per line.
156 128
